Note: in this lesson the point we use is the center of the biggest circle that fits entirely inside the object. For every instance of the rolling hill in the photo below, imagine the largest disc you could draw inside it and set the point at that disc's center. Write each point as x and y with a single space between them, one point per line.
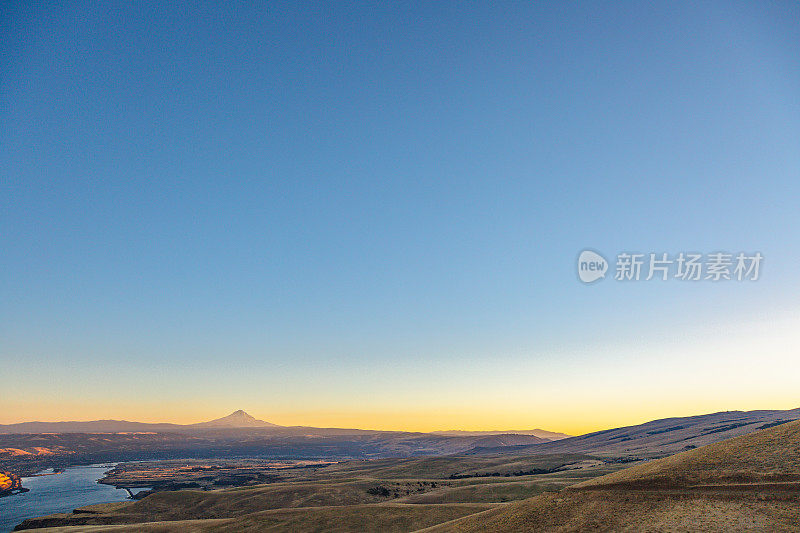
751 482
768 456
658 438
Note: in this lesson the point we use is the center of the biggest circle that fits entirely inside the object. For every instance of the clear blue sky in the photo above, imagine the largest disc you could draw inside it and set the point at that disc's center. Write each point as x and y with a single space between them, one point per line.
350 208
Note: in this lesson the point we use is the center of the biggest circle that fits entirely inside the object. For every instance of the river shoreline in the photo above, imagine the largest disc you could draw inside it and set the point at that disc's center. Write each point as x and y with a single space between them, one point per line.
52 492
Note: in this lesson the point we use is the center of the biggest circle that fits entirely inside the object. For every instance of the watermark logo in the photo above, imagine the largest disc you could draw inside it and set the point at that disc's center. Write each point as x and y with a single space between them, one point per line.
591 266
683 266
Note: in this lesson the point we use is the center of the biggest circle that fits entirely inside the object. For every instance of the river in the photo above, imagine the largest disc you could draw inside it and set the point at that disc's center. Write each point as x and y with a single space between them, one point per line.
58 493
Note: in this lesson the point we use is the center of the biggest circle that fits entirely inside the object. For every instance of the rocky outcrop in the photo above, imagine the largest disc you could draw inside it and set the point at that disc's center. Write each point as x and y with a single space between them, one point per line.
10 483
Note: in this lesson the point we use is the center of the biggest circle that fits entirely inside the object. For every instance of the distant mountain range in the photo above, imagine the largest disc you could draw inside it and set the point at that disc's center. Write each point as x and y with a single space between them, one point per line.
655 438
241 420
32 446
542 434
237 419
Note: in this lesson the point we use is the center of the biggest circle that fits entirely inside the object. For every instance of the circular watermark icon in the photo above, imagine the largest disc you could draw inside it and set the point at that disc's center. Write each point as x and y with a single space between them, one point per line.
591 266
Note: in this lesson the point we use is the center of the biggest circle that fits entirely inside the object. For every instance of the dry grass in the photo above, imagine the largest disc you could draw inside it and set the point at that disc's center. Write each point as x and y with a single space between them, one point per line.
771 455
376 518
748 483
617 510
743 484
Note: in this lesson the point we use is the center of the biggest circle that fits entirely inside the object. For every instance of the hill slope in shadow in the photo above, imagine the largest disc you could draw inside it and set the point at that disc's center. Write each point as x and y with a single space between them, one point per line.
746 483
659 438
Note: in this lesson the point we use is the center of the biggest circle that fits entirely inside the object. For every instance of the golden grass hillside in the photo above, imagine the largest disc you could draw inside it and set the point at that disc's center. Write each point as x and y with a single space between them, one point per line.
770 455
375 518
748 483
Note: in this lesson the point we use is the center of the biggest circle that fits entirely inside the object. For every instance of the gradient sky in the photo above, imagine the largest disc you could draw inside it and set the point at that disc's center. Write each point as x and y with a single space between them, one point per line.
343 214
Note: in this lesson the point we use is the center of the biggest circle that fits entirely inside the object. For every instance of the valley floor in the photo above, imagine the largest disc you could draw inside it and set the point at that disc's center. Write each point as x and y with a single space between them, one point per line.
746 483
382 495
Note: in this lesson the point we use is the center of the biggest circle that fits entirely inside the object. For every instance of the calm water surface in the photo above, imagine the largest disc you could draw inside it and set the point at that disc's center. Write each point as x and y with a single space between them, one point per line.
58 493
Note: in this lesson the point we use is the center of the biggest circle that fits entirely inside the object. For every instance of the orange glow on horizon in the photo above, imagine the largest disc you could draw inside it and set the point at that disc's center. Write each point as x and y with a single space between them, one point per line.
569 421
749 367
